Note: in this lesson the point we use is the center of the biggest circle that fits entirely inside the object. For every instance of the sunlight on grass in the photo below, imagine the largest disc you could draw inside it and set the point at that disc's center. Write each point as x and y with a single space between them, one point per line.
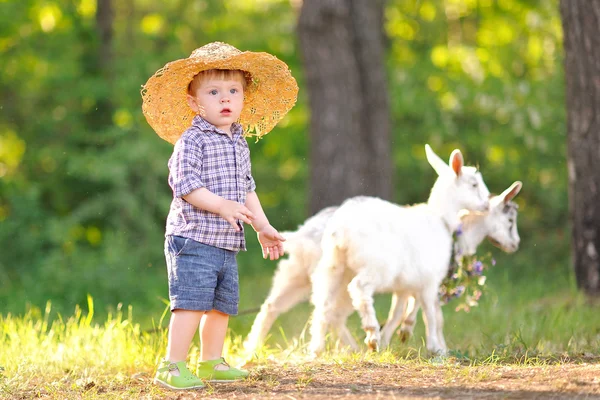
44 354
39 355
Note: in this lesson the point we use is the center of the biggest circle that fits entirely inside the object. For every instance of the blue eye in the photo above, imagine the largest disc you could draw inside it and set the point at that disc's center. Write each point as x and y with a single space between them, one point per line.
213 92
233 91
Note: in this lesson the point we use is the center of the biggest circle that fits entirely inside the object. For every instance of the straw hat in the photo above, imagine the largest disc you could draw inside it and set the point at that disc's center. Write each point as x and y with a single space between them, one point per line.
267 98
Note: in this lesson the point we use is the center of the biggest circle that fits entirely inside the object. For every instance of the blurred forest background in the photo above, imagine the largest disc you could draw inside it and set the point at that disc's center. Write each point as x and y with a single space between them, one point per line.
83 178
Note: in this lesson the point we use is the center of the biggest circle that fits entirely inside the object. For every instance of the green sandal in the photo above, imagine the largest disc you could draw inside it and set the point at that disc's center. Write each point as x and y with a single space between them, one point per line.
185 380
206 370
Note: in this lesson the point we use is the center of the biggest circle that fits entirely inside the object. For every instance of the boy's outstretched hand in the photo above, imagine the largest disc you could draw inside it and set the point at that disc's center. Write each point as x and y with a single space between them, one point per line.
271 242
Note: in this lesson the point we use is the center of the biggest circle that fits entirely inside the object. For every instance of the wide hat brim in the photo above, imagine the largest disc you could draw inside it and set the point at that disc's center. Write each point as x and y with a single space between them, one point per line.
271 93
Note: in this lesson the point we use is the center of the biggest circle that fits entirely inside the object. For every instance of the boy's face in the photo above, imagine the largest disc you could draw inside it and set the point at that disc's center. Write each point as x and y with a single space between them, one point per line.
219 101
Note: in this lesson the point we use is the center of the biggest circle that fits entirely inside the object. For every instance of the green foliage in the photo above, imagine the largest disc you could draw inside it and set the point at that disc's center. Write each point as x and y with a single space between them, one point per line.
83 192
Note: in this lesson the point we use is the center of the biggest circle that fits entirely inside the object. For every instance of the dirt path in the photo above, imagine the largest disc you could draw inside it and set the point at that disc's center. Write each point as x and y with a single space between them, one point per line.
377 381
354 380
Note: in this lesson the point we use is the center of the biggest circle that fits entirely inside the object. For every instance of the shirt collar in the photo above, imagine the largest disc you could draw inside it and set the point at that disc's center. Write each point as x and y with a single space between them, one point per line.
205 126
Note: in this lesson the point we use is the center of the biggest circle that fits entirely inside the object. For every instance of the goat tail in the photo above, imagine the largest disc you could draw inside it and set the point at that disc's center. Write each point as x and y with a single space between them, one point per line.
328 275
302 248
294 241
327 281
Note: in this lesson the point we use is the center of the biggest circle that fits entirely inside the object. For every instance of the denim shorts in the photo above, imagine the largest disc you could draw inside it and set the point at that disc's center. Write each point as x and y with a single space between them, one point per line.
201 277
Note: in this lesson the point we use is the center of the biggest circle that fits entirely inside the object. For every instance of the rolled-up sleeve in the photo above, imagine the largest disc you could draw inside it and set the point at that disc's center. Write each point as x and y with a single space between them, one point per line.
246 167
250 184
185 167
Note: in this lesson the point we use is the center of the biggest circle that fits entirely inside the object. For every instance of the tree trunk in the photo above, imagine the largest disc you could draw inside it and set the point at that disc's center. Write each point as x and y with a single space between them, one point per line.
104 24
104 27
343 54
581 25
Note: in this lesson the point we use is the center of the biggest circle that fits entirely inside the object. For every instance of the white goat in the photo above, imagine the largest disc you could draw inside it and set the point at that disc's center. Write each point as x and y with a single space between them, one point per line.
292 285
291 282
498 224
376 246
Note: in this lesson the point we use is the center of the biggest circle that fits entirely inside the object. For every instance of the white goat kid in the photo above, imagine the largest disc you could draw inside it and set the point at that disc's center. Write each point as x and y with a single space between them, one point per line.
382 247
291 282
498 224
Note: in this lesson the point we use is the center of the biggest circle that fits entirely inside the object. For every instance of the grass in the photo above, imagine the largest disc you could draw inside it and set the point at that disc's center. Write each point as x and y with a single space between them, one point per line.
525 327
56 357
526 310
71 354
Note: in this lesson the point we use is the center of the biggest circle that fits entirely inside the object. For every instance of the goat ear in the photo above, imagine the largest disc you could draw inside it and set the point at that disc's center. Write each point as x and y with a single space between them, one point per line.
512 191
435 161
456 162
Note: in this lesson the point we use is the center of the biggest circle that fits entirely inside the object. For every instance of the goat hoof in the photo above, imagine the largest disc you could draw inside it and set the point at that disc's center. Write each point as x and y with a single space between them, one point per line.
438 353
404 336
373 345
315 352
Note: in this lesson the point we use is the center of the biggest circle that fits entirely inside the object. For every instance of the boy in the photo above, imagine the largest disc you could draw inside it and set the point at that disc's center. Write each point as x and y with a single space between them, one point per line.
213 192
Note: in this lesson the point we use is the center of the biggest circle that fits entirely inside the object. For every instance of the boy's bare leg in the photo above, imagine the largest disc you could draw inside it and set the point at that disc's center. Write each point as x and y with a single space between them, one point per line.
213 329
181 333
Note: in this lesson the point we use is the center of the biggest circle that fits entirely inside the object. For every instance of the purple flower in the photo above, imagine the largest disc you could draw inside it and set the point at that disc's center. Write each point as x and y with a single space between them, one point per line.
493 261
477 268
459 290
459 230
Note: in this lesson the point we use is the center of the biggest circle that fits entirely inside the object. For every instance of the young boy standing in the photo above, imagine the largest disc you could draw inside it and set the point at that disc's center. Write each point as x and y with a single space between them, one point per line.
224 94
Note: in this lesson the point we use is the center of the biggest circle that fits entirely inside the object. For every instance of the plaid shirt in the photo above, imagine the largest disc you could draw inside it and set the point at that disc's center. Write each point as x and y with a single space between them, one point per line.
205 156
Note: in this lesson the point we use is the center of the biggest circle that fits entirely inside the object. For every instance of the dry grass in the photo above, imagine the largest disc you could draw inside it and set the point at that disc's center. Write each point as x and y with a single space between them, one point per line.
49 357
337 378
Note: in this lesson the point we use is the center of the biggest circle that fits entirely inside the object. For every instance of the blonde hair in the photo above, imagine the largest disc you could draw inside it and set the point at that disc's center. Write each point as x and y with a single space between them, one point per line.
224 74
